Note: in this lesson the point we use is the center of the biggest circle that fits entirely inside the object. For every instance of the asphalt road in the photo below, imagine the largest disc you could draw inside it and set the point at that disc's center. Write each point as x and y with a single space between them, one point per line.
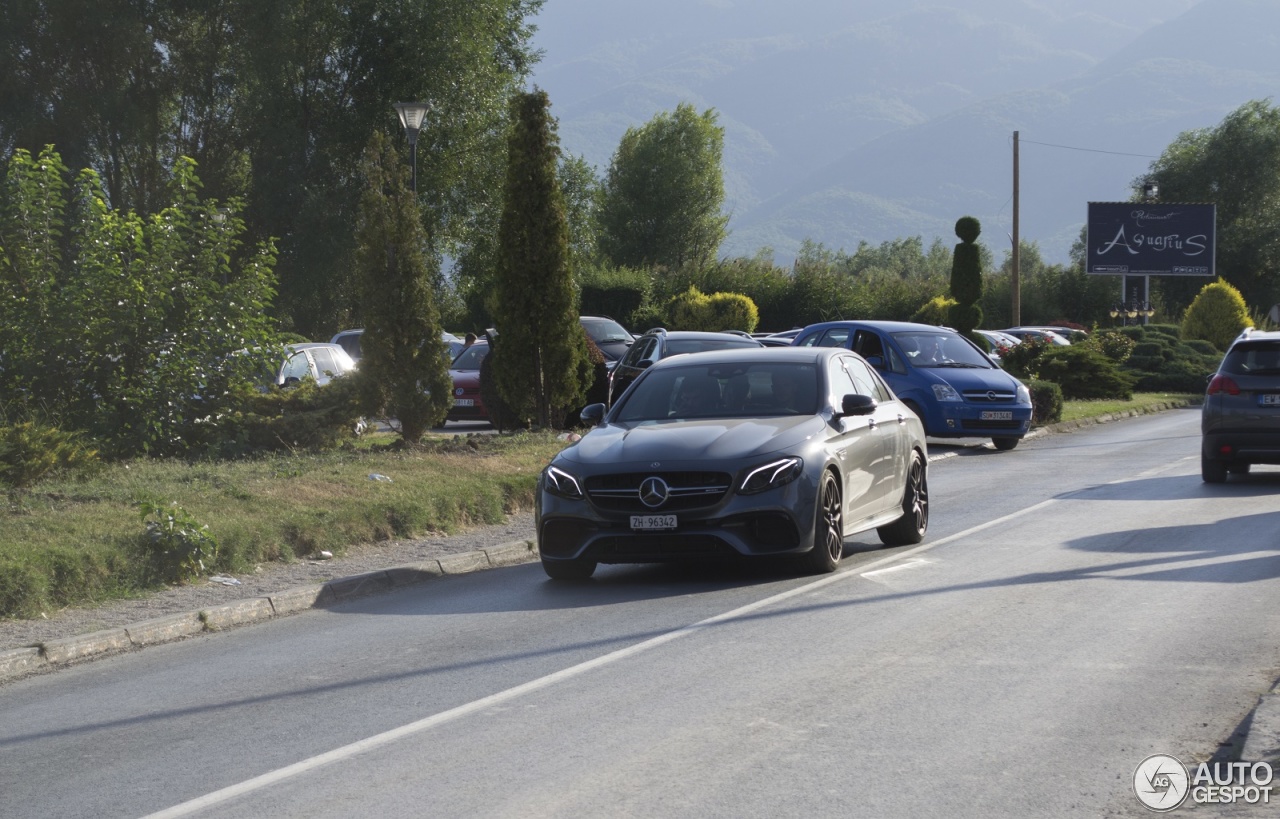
1080 603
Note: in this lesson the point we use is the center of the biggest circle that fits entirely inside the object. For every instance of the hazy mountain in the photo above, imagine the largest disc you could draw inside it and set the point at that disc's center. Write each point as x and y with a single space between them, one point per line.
878 120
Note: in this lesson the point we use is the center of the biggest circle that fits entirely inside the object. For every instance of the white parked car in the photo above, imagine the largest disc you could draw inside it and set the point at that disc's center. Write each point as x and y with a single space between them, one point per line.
317 360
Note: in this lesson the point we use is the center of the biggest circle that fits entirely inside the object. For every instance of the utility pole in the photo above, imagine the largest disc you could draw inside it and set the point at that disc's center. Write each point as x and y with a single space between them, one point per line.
1016 284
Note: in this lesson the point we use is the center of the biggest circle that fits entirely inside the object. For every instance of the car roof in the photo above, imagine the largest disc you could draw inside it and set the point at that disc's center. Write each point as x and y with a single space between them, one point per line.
886 326
794 355
686 334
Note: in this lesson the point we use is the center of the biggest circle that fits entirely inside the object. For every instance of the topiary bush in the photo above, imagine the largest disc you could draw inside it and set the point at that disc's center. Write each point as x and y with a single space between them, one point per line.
1083 373
1161 362
1218 314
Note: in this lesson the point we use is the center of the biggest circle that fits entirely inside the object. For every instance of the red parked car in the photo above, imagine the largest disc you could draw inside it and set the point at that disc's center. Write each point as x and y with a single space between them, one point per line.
465 371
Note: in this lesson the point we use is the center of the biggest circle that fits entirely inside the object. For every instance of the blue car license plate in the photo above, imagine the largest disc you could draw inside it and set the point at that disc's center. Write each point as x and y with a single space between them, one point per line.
996 415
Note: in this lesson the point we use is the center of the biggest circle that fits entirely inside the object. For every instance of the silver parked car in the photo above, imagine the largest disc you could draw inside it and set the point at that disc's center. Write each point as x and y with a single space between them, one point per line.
1240 417
316 360
737 453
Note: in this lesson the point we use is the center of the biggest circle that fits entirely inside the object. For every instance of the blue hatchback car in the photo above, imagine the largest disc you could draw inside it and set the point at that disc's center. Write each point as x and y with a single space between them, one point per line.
953 386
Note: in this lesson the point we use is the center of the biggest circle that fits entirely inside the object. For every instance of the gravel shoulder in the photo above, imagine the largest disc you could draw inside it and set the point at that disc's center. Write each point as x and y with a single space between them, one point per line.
266 580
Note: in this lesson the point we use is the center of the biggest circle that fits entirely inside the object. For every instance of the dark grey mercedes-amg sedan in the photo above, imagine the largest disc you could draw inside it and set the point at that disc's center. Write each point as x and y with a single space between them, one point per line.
737 453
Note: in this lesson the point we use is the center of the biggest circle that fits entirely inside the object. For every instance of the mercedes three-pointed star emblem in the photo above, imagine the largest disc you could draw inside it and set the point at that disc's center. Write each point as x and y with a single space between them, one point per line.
654 492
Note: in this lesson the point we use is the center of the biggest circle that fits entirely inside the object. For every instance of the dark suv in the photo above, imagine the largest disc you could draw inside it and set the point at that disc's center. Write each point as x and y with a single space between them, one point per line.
1240 420
658 344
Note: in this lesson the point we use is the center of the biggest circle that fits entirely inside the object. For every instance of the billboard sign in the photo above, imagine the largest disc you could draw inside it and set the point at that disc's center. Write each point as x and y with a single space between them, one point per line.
1137 239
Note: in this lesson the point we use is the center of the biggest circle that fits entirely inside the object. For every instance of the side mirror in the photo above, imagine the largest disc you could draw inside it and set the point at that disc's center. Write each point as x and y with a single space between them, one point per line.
876 361
645 364
592 414
855 404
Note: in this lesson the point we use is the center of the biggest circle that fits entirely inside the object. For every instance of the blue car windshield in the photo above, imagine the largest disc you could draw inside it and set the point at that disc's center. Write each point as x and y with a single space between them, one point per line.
740 390
930 349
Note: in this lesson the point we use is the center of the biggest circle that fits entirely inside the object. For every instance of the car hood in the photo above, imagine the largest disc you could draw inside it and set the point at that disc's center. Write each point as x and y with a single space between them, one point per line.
720 438
969 380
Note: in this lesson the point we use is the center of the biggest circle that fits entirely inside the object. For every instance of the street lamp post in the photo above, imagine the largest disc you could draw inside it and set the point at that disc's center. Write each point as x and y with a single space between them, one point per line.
412 115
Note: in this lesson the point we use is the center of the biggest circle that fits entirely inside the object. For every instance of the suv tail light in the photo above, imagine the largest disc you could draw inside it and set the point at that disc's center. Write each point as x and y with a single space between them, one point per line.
1222 383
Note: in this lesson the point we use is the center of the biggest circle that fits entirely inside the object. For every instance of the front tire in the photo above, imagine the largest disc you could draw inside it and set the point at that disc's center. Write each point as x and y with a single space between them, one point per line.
828 534
1212 471
910 528
1005 444
577 569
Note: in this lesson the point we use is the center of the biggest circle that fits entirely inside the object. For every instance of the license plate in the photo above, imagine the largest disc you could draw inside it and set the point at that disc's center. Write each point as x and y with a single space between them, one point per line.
464 402
996 415
1270 399
651 522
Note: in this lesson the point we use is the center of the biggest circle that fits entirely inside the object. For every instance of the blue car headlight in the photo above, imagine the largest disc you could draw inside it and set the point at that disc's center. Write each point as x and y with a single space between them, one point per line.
1024 394
558 482
774 474
946 392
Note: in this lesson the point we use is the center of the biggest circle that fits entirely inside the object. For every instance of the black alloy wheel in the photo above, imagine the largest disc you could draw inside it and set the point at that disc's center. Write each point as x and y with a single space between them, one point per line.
910 528
828 535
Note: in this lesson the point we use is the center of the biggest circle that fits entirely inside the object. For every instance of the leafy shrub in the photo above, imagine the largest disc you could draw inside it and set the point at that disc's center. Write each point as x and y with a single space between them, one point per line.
1083 373
175 542
1115 346
1162 362
30 451
1218 314
935 311
733 311
1046 400
305 416
619 292
1022 360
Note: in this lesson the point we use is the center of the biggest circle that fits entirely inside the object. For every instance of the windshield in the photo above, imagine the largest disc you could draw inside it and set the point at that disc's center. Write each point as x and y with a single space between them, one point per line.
605 331
738 390
471 357
940 350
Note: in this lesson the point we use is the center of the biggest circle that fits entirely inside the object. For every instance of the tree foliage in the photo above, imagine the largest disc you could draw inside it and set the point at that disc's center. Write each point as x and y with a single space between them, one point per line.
1236 166
121 325
540 361
404 369
664 191
274 100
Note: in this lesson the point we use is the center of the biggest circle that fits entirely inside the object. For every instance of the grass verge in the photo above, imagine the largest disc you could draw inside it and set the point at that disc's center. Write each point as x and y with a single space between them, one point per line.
77 541
1141 402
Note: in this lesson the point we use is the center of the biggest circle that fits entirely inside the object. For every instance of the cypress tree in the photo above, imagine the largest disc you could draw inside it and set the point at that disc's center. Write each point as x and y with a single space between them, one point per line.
540 361
404 370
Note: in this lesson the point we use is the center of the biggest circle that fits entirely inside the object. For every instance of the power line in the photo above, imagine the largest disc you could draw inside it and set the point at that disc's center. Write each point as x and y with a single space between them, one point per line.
1089 150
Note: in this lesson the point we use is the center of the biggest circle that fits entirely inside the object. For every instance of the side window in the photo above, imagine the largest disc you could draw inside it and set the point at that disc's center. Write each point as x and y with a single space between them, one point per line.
894 360
867 344
325 362
835 337
839 382
297 367
637 352
865 379
809 340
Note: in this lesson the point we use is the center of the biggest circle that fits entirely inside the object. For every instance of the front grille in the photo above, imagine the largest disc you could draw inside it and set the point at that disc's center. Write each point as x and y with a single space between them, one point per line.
688 490
658 547
990 397
976 424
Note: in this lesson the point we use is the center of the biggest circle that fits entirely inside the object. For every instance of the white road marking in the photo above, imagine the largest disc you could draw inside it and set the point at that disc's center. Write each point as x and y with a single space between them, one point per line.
910 564
378 740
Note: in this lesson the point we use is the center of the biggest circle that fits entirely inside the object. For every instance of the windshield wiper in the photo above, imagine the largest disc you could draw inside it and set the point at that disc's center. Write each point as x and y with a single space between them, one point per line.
962 365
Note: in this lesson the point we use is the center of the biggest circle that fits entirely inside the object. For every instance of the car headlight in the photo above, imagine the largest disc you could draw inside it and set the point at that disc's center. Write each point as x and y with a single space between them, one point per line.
777 473
945 392
559 482
1024 394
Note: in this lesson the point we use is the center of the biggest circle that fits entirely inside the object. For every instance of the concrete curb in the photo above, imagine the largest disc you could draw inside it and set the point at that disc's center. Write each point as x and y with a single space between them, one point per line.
20 662
1262 744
